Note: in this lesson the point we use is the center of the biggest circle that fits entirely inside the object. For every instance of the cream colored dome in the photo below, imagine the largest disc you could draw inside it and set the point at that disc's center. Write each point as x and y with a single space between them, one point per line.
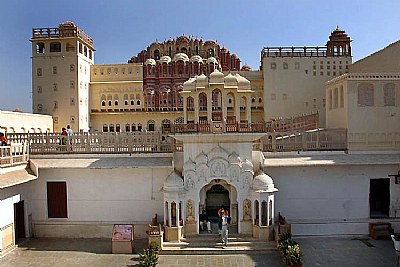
230 80
190 85
242 82
263 182
212 60
165 59
196 58
173 182
181 57
150 61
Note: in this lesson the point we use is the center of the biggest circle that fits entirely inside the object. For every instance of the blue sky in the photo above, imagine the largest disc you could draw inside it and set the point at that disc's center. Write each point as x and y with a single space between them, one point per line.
122 28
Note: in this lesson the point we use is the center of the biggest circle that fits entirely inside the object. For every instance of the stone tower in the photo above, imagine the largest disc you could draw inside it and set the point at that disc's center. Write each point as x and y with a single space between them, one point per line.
61 60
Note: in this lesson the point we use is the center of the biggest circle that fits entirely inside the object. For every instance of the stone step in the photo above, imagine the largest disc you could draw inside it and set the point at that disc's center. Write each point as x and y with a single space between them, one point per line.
200 245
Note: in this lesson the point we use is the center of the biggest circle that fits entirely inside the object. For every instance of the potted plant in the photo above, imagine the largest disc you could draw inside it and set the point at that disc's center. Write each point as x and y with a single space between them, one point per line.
293 256
149 257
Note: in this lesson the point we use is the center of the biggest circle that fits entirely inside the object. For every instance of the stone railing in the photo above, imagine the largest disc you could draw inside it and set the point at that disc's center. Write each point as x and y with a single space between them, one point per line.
157 142
316 140
14 154
101 143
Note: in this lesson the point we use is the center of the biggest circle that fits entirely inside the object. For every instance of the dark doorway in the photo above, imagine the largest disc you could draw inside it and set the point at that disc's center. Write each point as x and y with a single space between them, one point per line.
217 196
379 198
19 220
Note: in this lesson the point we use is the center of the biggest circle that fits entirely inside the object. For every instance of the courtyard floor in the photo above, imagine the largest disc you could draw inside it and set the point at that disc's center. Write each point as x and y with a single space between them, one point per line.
318 251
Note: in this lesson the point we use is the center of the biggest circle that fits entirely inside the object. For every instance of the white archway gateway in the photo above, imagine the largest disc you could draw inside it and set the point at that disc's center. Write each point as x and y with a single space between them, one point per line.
226 161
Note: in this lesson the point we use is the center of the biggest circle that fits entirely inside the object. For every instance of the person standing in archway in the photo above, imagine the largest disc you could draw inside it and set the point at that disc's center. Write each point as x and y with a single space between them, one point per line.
224 219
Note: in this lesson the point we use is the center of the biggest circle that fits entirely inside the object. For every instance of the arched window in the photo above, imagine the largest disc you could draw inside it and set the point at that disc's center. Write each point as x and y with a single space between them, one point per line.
55 47
127 127
105 128
151 125
156 54
40 48
133 127
112 129
210 52
166 125
365 95
389 94
139 127
118 128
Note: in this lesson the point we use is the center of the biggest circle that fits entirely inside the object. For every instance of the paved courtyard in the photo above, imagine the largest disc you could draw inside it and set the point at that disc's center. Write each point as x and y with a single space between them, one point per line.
318 251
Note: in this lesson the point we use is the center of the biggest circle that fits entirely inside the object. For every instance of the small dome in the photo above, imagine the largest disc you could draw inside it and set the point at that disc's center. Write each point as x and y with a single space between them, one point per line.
216 77
210 42
156 43
242 82
183 39
150 61
181 57
190 85
263 182
173 182
202 80
165 59
196 58
212 60
230 80
246 68
67 24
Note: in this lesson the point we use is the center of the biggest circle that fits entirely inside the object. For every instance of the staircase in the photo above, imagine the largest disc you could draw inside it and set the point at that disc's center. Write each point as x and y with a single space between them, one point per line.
209 244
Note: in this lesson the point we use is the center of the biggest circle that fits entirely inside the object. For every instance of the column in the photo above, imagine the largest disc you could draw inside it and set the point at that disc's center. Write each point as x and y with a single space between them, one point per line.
259 212
169 214
237 108
165 213
239 214
177 213
224 106
196 108
248 109
184 109
209 106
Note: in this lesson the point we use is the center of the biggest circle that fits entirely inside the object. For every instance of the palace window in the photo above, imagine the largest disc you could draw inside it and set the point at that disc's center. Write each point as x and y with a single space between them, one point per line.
365 95
39 71
72 84
389 94
40 48
112 129
55 86
39 89
273 65
70 47
118 128
105 128
55 47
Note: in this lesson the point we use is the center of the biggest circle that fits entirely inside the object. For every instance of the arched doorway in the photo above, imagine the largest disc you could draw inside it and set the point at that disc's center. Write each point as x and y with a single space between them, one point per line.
216 197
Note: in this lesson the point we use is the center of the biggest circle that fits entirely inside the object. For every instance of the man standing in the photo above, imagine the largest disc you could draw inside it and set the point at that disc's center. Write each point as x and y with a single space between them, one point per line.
69 130
204 221
224 228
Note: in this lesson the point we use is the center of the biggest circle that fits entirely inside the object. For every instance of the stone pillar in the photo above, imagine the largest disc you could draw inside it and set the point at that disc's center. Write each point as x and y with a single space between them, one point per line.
185 110
177 214
165 213
196 108
259 213
237 108
169 214
248 109
209 106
